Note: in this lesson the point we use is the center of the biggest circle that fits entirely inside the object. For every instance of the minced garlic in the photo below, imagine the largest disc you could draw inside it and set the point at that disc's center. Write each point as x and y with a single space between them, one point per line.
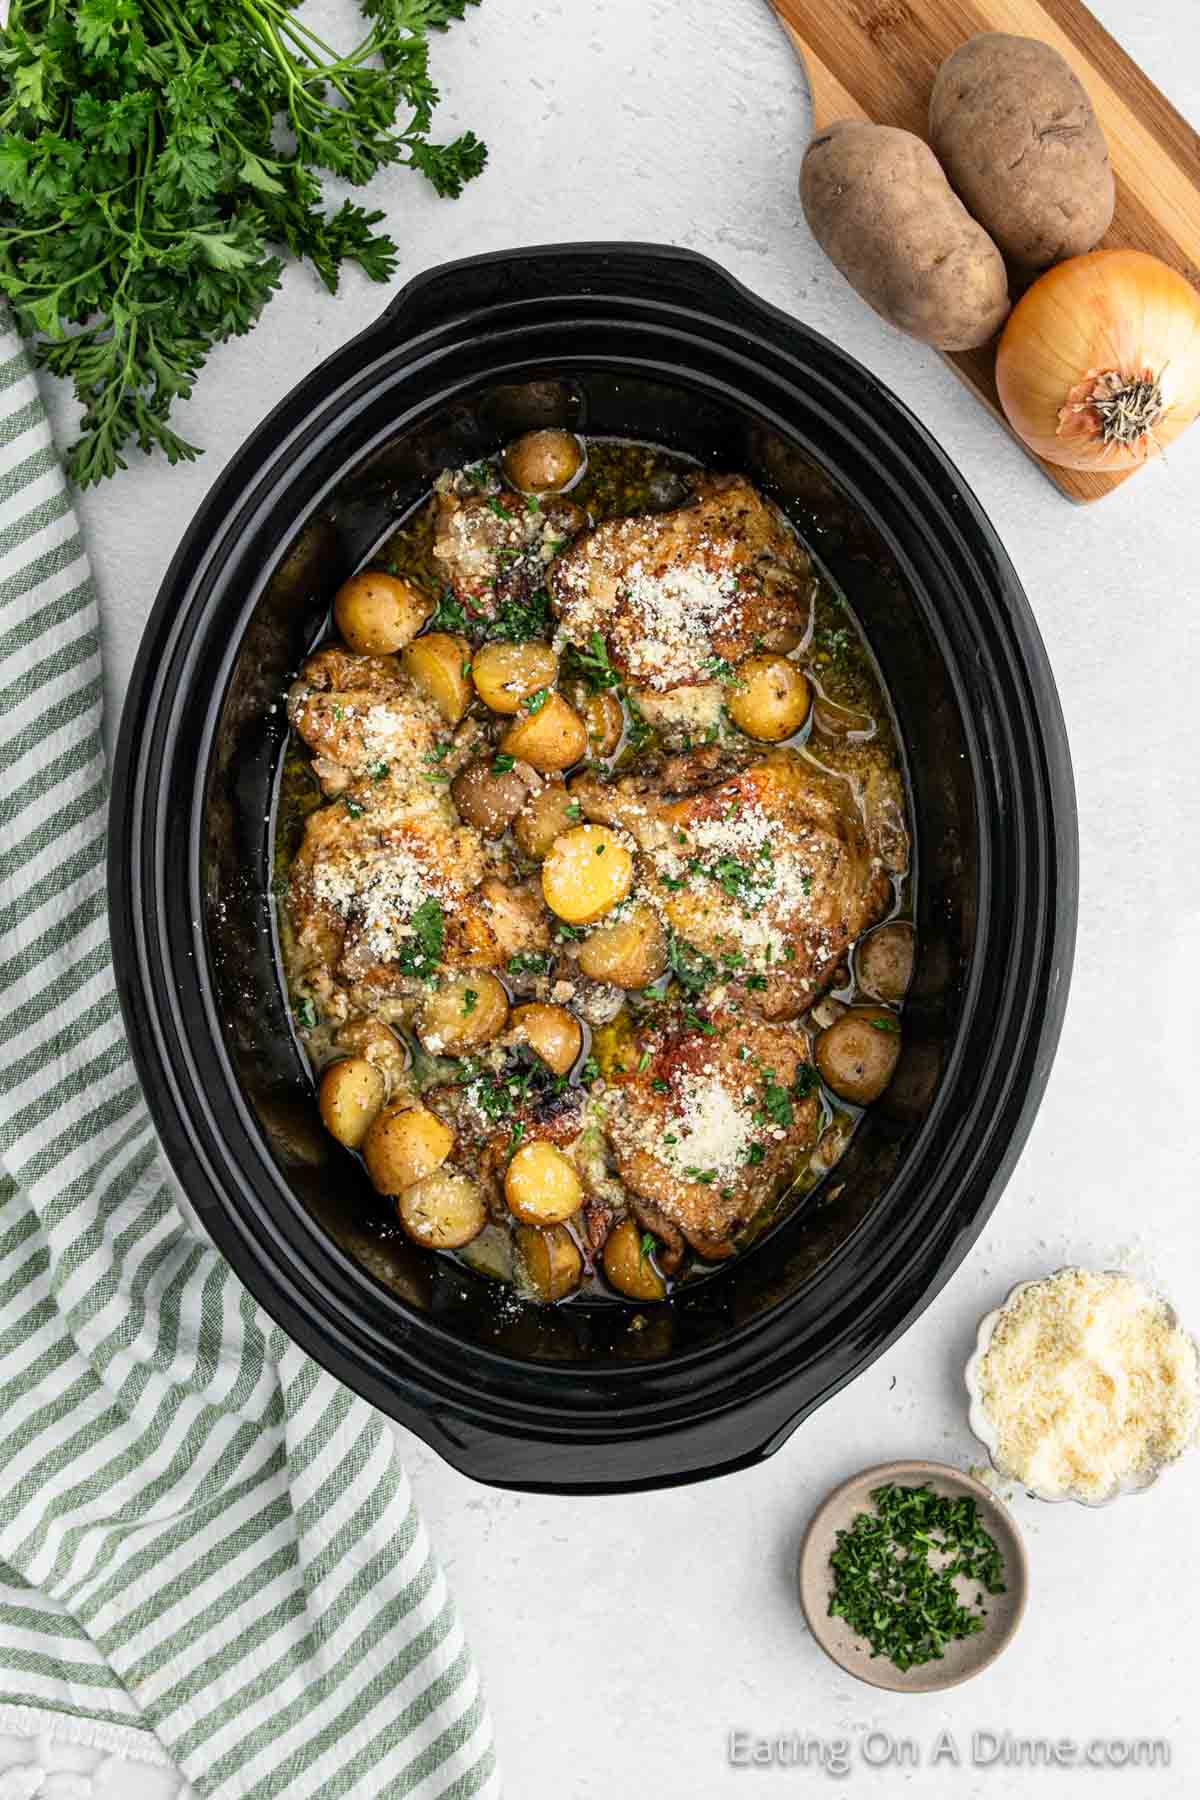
1087 1381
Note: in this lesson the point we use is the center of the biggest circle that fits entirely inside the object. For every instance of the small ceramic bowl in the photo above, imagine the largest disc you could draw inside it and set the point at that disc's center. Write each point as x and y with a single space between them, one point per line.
985 1431
964 1657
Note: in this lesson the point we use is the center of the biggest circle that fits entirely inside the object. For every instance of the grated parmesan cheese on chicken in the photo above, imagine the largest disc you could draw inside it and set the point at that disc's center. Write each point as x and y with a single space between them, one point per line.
1088 1381
711 1131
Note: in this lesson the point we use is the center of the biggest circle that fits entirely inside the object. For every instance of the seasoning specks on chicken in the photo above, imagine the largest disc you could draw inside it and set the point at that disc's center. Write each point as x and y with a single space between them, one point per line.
684 977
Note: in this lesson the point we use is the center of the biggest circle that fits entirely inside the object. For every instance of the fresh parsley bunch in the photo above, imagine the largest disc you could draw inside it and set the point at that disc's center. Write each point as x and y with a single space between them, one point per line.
156 155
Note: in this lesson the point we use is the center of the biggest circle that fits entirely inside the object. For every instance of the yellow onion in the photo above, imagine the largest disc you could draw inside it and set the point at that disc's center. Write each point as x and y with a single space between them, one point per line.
1099 364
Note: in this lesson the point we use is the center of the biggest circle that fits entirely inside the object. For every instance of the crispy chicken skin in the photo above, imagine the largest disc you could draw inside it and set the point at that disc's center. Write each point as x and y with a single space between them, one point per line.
731 1064
491 544
761 864
669 592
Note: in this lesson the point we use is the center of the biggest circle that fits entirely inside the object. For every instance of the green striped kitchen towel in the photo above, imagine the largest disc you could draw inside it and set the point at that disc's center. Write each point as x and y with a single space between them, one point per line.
209 1555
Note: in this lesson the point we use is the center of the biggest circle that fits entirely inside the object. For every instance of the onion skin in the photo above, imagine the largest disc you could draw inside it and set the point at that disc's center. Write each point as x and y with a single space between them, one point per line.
1119 311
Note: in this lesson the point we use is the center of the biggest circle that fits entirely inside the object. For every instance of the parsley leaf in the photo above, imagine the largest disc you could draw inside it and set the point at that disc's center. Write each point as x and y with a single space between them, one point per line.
421 953
158 161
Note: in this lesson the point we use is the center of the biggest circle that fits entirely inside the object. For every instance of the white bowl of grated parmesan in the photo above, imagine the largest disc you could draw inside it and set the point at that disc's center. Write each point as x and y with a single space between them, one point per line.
1084 1386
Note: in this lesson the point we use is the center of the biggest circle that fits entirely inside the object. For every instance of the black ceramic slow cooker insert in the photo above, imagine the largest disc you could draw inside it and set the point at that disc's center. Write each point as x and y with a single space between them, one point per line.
655 344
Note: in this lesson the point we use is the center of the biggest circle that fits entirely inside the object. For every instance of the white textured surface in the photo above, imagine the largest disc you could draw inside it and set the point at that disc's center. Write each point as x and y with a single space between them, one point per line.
621 1639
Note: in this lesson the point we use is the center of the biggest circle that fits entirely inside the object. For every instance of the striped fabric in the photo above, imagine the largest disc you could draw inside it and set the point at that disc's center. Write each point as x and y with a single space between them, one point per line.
208 1549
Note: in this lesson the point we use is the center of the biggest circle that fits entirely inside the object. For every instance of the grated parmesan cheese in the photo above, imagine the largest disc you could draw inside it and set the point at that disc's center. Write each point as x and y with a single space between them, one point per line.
1087 1381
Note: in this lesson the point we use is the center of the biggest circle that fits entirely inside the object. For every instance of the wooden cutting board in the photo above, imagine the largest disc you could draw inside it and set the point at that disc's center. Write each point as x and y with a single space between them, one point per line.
876 59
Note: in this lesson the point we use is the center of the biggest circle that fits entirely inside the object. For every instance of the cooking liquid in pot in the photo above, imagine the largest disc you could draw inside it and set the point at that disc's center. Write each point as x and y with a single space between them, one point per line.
500 1097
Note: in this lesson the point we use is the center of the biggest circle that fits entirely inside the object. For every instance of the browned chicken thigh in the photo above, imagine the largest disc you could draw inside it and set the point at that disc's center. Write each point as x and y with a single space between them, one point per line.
675 594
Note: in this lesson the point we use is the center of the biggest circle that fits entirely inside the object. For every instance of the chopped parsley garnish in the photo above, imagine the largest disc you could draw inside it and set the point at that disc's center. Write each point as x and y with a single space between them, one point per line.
756 982
378 770
647 1245
306 1014
691 968
498 507
807 1081
699 1023
421 953
354 807
470 1001
659 1085
528 962
518 620
449 614
643 1062
573 810
719 668
755 1153
889 1025
835 645
589 1071
502 764
533 703
776 1106
889 1591
707 1176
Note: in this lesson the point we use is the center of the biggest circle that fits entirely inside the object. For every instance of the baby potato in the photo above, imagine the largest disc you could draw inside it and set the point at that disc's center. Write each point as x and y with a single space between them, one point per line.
377 613
630 954
551 1032
443 1211
487 799
541 1186
544 817
439 663
586 873
549 1261
770 698
543 462
550 739
857 1055
403 1145
880 206
464 1012
628 1266
605 721
883 961
506 674
351 1096
381 1047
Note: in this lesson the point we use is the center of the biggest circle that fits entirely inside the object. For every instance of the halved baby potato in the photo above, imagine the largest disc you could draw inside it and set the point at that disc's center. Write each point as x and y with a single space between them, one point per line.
549 1261
464 1012
770 698
550 739
604 717
403 1145
440 665
627 1263
545 816
551 1032
378 613
507 674
587 871
630 953
543 462
541 1186
443 1211
351 1097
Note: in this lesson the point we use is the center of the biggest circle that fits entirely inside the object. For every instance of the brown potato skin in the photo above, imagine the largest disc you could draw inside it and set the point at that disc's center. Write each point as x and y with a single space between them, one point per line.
883 961
1016 133
882 210
857 1055
486 800
544 817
